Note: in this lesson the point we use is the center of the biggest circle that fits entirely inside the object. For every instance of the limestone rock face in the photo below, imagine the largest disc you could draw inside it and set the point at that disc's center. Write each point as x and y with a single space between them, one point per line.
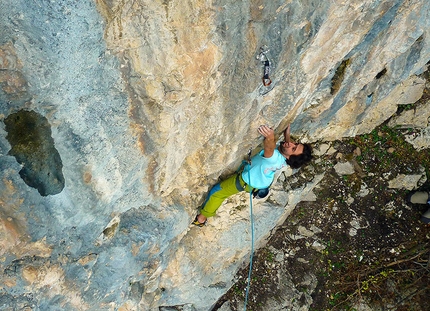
148 103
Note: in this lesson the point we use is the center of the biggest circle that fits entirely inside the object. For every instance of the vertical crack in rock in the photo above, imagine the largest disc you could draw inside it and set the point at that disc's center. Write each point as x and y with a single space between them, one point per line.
337 79
29 134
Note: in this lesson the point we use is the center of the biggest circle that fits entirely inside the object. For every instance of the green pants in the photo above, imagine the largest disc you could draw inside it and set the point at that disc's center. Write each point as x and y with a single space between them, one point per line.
222 191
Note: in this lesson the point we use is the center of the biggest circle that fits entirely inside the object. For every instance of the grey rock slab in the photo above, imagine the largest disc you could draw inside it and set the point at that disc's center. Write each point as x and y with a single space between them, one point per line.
408 182
344 168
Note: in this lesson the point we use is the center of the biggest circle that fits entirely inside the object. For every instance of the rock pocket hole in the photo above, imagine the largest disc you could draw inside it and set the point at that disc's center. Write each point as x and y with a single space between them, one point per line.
337 79
29 135
381 74
109 231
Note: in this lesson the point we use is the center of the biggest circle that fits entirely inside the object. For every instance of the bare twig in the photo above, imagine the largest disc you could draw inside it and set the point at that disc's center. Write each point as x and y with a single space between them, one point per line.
406 260
417 275
397 262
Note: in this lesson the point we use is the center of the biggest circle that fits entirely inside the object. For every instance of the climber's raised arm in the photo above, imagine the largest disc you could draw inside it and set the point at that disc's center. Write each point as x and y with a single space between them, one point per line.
287 134
269 143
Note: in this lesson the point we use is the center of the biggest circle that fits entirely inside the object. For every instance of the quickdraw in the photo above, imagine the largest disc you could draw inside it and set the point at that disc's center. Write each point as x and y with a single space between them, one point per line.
249 155
267 65
266 79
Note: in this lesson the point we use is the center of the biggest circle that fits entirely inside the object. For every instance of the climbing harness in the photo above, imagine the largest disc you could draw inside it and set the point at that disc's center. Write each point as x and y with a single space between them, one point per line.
252 232
256 193
267 65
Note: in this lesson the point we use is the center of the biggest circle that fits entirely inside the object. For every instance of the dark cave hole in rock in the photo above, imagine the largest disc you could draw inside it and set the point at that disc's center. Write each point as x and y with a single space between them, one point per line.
29 135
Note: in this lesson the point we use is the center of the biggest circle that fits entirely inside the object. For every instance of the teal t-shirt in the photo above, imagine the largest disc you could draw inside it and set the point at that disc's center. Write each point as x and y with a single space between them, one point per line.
263 169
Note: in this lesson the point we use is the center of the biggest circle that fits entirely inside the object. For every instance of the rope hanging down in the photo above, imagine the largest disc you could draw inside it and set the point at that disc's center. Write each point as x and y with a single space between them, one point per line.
252 233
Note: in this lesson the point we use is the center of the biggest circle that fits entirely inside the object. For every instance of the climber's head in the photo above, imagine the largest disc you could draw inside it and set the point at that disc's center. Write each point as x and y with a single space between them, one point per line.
296 154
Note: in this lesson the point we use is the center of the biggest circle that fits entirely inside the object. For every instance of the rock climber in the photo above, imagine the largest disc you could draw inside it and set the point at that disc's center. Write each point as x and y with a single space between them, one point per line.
258 176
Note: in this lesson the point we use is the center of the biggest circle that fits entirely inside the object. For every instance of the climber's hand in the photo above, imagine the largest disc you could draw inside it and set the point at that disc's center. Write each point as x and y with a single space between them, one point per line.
266 131
269 140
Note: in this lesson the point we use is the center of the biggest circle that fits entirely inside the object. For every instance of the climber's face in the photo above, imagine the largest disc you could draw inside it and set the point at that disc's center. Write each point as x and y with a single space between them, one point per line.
290 148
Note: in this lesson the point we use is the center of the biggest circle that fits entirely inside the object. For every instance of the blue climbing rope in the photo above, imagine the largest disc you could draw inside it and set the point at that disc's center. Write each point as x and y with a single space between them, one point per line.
252 239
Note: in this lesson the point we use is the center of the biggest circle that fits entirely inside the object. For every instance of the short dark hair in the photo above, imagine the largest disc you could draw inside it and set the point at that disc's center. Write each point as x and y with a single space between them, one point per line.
296 161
